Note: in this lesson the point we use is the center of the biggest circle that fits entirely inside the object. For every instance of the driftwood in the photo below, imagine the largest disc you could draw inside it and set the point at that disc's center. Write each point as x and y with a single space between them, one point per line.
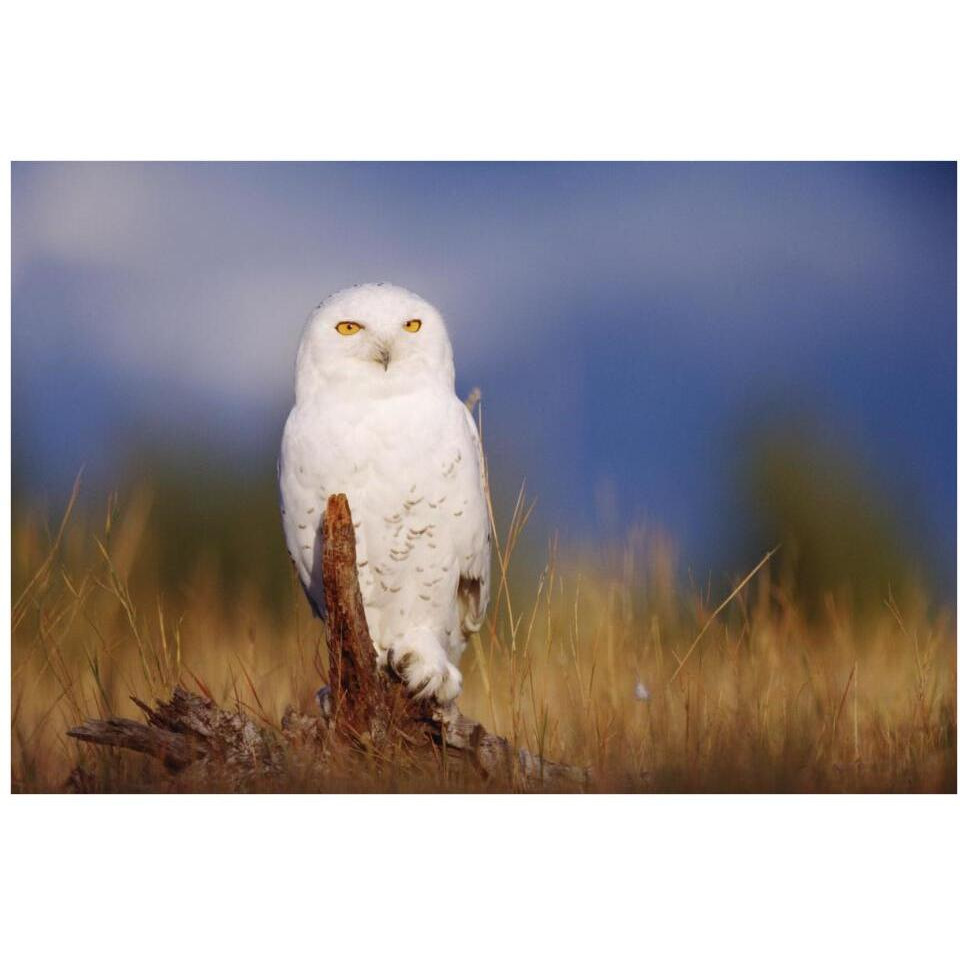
190 729
363 710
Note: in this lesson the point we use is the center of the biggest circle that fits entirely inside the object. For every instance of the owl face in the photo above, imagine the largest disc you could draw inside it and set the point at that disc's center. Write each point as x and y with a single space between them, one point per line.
374 333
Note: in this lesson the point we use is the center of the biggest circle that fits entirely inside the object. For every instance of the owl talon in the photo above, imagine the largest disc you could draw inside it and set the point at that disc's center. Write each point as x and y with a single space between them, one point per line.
420 689
425 674
398 665
324 698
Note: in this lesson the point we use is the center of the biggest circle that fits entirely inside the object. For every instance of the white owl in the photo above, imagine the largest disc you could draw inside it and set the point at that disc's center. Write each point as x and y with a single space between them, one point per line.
376 417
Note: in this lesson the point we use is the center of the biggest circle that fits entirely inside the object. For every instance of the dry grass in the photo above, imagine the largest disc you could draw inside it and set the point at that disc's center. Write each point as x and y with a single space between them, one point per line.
750 697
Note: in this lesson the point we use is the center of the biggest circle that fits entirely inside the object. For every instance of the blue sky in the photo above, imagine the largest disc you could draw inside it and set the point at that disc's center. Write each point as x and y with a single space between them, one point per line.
627 323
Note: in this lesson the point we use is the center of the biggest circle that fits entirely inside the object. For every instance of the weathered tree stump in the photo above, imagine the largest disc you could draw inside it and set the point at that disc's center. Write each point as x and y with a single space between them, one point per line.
358 690
367 710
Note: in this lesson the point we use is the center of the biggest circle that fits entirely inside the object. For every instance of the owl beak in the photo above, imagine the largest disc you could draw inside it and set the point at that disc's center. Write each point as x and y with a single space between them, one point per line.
382 356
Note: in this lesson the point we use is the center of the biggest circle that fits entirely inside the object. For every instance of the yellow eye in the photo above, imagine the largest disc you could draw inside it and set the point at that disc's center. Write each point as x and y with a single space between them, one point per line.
348 328
412 326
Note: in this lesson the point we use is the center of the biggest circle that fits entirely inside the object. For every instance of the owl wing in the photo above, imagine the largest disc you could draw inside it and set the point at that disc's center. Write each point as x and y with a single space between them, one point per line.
473 547
301 507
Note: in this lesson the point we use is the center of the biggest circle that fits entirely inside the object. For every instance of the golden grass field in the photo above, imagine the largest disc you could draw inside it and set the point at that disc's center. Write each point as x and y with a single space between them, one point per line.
755 696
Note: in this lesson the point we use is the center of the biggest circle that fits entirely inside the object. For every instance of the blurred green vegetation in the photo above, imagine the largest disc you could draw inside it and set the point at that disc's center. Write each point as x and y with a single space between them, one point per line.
841 536
212 513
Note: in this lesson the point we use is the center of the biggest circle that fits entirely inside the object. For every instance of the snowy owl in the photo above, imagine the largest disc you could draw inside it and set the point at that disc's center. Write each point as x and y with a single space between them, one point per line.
376 417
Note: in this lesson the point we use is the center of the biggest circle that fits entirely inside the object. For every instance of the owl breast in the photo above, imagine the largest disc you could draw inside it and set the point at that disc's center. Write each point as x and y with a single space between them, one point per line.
410 469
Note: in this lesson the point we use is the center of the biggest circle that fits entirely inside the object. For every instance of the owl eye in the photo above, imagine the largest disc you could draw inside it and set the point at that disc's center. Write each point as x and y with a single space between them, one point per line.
348 328
412 326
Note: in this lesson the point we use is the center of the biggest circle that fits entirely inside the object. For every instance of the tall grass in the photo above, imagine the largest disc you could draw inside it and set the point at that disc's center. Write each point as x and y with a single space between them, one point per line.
739 689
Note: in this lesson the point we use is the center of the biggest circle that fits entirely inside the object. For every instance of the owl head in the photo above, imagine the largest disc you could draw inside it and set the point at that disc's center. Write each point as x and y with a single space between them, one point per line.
373 334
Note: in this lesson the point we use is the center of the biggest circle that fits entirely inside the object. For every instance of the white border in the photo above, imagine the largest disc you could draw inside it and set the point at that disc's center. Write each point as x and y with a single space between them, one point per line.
428 79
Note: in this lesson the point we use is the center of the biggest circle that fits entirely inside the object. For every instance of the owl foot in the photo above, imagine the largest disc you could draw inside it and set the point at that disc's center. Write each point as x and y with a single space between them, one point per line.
425 671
